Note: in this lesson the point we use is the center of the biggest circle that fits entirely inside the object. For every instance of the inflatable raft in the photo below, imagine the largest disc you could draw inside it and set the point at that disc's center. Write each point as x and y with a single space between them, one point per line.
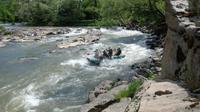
94 61
118 57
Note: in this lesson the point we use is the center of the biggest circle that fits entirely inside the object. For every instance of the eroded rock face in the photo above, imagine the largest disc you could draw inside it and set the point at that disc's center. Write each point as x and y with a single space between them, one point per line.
119 107
174 98
103 101
181 59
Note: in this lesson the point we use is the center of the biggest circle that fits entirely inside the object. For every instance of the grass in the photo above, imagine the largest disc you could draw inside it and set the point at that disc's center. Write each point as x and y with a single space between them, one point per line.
150 75
130 91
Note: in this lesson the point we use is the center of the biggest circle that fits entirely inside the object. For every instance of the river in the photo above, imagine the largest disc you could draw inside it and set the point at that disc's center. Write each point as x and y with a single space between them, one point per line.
34 80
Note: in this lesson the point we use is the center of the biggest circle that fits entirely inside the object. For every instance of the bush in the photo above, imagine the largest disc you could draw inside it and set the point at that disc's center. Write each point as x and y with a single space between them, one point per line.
130 91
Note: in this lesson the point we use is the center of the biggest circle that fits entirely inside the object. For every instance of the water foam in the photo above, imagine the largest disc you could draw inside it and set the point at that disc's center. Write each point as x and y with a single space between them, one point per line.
76 32
57 110
26 99
136 52
29 98
120 32
75 62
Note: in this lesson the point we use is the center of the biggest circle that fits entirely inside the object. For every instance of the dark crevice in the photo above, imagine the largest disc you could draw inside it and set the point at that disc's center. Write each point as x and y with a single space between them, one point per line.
100 108
177 72
190 42
180 57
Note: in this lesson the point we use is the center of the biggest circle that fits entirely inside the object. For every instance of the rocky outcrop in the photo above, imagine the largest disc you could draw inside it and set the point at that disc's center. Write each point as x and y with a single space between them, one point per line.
177 99
89 38
181 59
165 96
104 101
83 40
104 87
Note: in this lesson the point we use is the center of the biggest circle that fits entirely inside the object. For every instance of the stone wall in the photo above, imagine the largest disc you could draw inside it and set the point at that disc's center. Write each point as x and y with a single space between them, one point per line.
181 60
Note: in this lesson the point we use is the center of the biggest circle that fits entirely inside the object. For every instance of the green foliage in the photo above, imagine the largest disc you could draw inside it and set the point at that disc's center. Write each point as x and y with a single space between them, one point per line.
130 91
7 10
90 9
128 12
40 14
69 12
74 12
150 75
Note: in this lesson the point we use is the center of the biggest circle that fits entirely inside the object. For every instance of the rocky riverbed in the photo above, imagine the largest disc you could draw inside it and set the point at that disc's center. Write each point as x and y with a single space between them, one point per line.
90 37
31 34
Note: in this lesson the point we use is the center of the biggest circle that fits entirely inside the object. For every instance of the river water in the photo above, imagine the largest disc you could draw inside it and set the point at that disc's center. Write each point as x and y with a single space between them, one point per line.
34 80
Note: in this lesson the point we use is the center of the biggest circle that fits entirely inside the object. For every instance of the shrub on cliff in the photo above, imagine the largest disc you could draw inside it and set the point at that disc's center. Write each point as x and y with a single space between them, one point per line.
130 91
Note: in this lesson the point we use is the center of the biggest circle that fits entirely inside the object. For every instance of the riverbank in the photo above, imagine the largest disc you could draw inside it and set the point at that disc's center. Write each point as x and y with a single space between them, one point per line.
103 97
154 95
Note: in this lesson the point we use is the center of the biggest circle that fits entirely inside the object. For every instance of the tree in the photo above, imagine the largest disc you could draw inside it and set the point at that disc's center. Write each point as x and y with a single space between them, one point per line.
69 12
91 9
38 12
7 10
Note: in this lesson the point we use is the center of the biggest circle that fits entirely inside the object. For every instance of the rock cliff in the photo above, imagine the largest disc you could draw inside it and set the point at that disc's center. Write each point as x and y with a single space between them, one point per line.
181 60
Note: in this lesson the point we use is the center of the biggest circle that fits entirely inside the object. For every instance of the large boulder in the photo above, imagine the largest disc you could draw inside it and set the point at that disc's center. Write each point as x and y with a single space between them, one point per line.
102 88
166 96
181 60
103 100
